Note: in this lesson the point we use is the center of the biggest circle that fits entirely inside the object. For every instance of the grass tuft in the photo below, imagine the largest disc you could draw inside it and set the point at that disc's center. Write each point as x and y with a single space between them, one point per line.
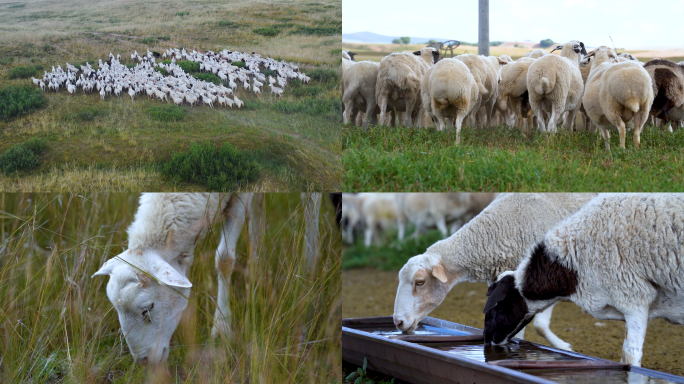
23 156
20 101
317 31
167 113
22 72
220 169
268 31
324 75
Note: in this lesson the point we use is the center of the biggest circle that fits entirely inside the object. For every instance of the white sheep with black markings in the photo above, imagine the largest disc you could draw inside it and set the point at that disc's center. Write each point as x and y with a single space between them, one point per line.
555 85
398 83
617 258
616 93
494 241
449 93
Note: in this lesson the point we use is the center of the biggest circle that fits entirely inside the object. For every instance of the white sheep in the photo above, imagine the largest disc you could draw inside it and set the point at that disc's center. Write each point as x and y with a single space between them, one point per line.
379 212
616 93
398 83
161 242
555 85
449 93
668 87
617 258
492 242
481 73
238 102
276 91
358 91
537 53
514 99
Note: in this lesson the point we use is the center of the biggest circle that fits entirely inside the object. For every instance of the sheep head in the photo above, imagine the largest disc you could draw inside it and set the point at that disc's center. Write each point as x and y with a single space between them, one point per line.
149 296
603 54
429 54
505 312
573 50
423 284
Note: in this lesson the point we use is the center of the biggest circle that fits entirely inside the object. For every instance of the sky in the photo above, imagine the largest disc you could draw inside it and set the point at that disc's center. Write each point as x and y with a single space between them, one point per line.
631 23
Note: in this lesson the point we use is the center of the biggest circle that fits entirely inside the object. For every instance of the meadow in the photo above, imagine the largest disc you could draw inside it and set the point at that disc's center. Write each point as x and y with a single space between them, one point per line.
58 326
120 145
503 159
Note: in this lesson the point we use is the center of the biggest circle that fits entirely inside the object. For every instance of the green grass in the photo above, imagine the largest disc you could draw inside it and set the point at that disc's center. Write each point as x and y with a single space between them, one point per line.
210 77
24 72
219 169
317 31
59 327
391 255
167 113
23 156
503 159
20 101
269 32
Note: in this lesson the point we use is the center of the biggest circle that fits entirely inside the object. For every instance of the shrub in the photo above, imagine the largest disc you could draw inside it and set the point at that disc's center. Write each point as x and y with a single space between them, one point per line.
161 70
238 64
270 31
19 101
23 156
324 75
311 91
325 31
495 43
167 113
219 169
189 66
24 72
210 77
546 43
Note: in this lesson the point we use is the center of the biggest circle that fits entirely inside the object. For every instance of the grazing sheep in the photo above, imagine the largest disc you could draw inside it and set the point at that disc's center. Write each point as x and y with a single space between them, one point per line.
514 99
379 212
479 69
537 53
238 102
494 67
555 85
617 258
668 86
398 83
492 242
358 91
161 242
449 93
276 91
616 93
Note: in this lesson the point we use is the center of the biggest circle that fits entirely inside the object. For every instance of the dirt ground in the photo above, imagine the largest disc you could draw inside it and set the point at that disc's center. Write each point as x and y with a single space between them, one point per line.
371 293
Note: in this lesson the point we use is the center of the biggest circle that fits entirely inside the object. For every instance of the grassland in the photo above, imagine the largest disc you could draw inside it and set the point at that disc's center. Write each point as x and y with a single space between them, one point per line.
116 145
503 159
57 325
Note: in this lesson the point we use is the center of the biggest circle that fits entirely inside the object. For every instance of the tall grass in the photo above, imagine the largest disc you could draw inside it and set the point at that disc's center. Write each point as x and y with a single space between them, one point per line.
57 325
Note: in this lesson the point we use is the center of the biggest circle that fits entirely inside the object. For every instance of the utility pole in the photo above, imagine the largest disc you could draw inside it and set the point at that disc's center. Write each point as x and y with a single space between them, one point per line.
483 28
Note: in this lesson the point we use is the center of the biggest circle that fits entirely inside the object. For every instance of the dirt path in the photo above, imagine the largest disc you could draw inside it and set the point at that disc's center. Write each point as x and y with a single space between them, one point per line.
371 293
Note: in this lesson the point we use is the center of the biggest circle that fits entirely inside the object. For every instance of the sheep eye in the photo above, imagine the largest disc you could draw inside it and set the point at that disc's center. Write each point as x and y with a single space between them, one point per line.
420 283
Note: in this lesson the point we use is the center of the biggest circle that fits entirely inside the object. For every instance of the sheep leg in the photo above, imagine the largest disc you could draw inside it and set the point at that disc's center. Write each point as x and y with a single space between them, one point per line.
632 348
370 111
348 102
459 123
225 261
606 137
441 225
639 120
408 115
615 118
541 325
382 103
570 119
368 240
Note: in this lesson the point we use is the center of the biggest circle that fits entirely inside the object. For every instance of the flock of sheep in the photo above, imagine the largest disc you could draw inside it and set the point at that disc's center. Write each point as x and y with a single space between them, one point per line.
372 213
617 256
114 78
608 90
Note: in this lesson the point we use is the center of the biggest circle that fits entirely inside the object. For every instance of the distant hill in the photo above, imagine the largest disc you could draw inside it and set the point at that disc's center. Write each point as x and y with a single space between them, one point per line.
370 37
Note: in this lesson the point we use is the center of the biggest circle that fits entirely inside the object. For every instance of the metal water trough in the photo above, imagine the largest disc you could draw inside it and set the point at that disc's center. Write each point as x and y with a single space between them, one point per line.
437 354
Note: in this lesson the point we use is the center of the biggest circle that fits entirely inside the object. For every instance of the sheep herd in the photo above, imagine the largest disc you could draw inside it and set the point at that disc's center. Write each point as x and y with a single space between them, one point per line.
604 89
114 78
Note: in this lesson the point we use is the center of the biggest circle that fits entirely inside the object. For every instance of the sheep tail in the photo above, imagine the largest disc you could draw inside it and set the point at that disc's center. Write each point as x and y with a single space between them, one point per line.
483 90
543 87
632 105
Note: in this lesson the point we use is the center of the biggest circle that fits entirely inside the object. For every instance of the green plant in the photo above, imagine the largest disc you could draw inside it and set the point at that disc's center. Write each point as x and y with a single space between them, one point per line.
229 24
361 376
210 77
238 64
391 255
319 31
189 66
22 72
167 113
90 114
324 75
19 101
220 169
184 13
270 31
546 43
23 156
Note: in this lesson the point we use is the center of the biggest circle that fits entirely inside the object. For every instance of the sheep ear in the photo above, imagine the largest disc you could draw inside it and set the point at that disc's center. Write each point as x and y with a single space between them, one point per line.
166 274
497 294
108 267
417 53
584 51
438 272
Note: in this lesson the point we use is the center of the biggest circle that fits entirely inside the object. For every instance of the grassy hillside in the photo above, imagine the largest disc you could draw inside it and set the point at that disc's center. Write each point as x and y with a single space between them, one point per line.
116 145
58 326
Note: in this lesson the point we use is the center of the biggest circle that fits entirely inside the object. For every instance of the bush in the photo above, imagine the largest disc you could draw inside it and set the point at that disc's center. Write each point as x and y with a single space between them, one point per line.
167 113
311 91
324 75
546 43
23 156
219 169
495 43
238 64
24 72
270 31
189 66
210 77
320 31
19 101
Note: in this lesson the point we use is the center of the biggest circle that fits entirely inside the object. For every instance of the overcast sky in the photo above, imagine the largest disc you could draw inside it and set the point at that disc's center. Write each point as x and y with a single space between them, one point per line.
631 23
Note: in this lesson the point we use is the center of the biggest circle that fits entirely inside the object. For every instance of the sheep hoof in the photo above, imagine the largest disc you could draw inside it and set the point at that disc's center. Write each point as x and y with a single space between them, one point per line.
221 329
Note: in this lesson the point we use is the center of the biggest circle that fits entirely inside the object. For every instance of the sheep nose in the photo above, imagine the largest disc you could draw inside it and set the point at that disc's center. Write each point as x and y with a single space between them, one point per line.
398 323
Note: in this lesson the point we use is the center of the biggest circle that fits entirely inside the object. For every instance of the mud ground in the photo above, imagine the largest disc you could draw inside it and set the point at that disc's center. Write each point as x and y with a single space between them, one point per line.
370 292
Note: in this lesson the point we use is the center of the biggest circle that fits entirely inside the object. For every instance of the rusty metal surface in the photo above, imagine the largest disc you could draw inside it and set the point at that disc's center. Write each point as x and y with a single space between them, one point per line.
421 364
